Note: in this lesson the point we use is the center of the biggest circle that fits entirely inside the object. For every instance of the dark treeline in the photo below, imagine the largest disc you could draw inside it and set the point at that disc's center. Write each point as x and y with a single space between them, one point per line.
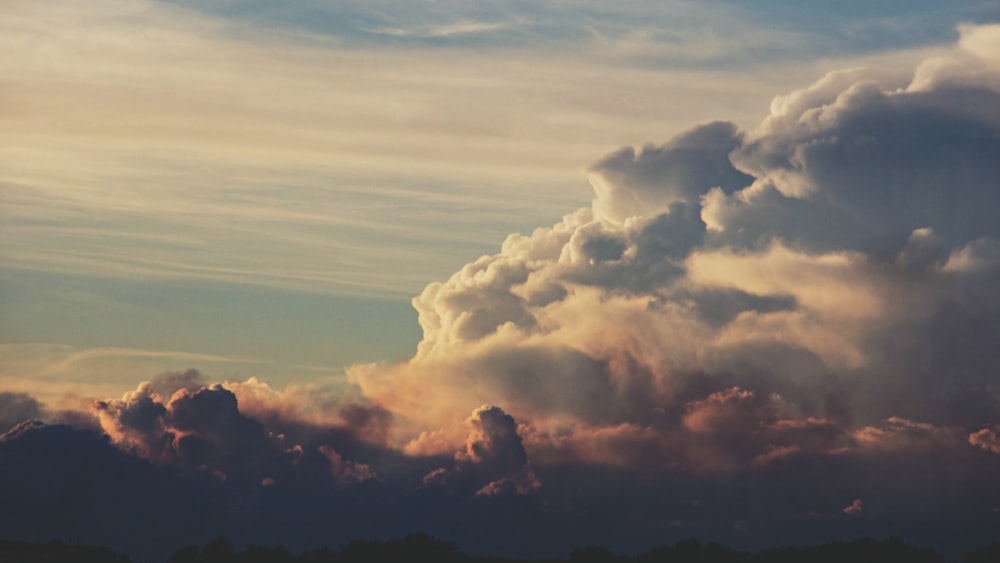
423 548
58 552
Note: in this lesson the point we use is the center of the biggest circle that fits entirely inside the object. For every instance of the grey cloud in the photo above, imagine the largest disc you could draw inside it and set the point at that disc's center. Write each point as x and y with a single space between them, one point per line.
212 433
138 421
883 164
718 306
935 358
80 476
494 461
168 383
986 439
345 471
202 430
628 184
842 257
17 407
645 257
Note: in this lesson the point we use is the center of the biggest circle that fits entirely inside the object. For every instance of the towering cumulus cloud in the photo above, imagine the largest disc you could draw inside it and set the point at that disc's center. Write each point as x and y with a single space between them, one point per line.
821 286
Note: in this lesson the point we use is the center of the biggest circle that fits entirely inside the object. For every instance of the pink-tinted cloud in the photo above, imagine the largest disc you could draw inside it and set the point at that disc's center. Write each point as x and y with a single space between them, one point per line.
138 421
311 405
903 434
205 429
855 508
494 458
986 439
346 471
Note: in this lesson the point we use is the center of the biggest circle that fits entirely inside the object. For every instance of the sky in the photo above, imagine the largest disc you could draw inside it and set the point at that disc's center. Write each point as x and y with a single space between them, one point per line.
527 275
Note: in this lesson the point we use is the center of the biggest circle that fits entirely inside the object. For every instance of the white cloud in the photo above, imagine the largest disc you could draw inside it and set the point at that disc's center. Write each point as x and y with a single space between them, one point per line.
804 264
446 30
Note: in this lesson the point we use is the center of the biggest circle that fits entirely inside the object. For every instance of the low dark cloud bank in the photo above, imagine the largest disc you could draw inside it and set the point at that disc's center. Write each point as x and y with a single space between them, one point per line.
783 335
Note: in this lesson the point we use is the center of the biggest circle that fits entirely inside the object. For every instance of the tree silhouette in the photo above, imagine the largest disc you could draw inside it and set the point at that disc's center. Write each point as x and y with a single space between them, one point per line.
185 554
986 554
421 547
218 550
591 554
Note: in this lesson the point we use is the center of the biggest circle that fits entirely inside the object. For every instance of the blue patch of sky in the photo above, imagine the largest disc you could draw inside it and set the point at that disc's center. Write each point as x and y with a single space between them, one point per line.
858 26
823 28
198 316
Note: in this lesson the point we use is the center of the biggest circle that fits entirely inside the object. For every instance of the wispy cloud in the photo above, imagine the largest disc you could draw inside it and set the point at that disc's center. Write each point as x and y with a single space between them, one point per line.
446 30
151 141
53 371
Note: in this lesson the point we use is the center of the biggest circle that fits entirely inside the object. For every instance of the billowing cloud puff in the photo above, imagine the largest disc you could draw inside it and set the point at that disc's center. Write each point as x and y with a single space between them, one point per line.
629 185
297 411
494 459
820 286
137 421
204 428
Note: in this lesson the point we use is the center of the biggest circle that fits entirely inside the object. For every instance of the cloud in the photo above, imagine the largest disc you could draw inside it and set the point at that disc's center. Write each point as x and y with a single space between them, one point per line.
308 409
17 407
345 471
815 286
628 185
461 28
908 435
51 372
62 481
855 508
137 421
494 459
170 382
986 439
154 85
870 165
244 431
